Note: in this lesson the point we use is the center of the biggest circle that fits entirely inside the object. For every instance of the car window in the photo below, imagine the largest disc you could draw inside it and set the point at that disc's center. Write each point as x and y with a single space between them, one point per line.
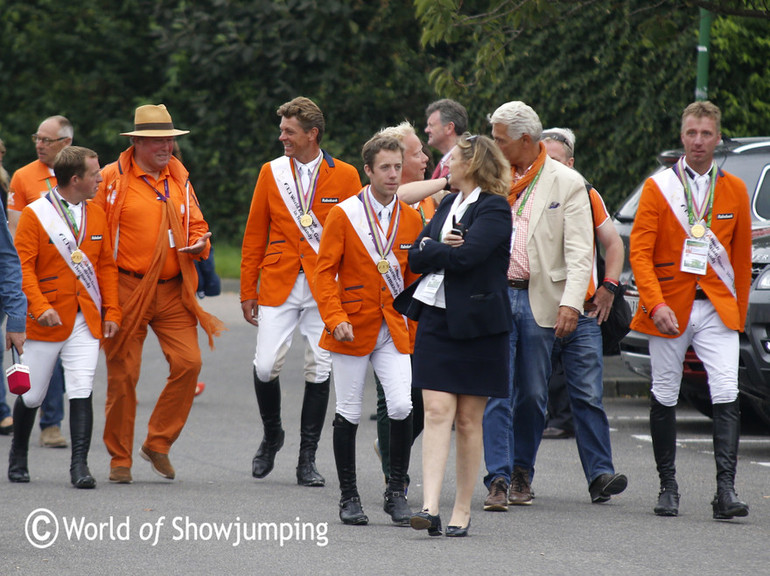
762 195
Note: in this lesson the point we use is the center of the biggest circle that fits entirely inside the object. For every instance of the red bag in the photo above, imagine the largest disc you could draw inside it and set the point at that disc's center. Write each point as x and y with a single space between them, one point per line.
18 375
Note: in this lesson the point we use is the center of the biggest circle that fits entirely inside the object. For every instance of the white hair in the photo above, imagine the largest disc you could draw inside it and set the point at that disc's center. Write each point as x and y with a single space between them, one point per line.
565 136
399 132
519 118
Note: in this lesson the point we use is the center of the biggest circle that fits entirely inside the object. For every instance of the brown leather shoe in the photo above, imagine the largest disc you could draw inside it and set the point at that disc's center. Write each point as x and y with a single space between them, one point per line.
121 475
6 426
51 437
159 462
497 500
521 489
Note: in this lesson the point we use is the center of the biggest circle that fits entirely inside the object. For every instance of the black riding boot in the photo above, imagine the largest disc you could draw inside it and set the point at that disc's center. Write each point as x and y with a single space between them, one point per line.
663 432
81 426
727 422
400 451
313 414
269 401
344 436
23 422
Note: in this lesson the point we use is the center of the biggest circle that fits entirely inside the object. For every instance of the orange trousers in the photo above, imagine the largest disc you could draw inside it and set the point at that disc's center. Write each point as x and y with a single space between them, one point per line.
177 333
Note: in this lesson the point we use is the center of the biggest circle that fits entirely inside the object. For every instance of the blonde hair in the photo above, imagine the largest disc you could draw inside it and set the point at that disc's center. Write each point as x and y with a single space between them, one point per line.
487 166
399 132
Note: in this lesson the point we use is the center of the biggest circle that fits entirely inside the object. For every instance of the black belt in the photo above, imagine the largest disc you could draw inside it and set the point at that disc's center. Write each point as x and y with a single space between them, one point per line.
701 295
519 284
140 276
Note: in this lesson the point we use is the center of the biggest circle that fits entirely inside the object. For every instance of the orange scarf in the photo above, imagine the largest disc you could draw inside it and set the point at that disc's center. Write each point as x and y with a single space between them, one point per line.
136 306
519 186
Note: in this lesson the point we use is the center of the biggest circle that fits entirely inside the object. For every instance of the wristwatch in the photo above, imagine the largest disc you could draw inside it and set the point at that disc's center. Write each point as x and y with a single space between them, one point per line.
614 288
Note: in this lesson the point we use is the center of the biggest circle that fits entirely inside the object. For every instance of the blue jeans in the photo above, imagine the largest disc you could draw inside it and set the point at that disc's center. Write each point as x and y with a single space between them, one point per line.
513 426
52 409
581 356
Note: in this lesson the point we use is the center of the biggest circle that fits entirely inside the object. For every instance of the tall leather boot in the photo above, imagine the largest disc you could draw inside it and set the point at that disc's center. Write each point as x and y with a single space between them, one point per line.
23 422
312 422
663 432
81 426
269 401
400 450
727 422
344 438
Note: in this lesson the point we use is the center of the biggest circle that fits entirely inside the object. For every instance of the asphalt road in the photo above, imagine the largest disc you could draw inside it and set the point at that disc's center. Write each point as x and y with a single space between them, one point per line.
216 519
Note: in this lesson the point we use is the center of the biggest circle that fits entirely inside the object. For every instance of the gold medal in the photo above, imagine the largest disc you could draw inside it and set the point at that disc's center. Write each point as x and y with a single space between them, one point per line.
383 266
306 220
698 230
76 256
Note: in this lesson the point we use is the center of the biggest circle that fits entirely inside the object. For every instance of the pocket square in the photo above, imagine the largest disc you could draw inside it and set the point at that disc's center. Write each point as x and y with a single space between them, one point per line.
554 205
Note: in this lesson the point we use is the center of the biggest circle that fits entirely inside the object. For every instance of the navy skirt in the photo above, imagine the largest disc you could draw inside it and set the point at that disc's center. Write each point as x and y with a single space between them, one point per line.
475 366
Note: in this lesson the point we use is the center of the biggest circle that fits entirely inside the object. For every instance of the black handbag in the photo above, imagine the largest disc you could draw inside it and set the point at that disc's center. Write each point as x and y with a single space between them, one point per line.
405 303
618 323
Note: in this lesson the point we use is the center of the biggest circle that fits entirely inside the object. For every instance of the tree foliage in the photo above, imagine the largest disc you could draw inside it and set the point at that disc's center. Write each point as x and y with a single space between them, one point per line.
617 71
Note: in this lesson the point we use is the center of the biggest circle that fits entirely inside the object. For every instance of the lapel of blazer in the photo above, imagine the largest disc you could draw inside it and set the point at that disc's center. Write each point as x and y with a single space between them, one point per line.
439 217
541 196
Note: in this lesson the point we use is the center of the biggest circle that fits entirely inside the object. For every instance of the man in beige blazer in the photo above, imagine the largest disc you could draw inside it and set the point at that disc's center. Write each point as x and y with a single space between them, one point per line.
551 255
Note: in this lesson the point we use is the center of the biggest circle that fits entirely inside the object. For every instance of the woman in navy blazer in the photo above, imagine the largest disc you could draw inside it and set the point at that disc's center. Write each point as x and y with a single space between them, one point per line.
461 353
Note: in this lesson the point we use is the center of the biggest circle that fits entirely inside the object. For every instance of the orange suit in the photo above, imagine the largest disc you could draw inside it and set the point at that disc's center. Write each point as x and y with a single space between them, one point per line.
157 289
657 240
49 282
349 288
273 246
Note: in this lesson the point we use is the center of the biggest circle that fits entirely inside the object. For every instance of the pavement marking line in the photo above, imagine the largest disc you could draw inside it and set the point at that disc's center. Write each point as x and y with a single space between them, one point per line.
648 438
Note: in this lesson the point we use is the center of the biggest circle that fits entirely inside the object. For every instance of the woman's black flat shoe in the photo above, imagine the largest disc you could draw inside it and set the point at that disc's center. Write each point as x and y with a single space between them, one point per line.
425 521
458 531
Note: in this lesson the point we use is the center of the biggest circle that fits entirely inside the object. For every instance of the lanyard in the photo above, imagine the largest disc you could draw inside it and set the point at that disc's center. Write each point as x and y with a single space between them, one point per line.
306 196
697 213
383 248
529 191
161 197
66 214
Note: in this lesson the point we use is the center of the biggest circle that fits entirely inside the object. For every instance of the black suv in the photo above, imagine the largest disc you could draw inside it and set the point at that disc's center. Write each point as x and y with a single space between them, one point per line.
749 159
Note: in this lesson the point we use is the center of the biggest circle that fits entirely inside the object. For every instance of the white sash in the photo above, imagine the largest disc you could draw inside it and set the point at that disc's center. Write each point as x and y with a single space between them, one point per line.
65 243
671 188
281 168
354 210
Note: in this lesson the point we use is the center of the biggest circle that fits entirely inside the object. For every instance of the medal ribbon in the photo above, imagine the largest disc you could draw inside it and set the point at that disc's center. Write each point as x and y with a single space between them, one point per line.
66 215
531 187
306 198
161 197
697 213
374 225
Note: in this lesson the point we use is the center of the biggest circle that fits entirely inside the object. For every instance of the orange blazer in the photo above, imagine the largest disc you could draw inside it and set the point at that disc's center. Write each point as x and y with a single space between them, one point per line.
49 282
273 246
349 288
657 239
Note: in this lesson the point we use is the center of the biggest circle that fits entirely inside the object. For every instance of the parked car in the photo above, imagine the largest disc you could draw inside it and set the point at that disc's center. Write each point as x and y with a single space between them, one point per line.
749 159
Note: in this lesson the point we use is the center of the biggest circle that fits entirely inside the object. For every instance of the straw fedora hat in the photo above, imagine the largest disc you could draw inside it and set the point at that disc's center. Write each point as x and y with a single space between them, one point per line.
153 121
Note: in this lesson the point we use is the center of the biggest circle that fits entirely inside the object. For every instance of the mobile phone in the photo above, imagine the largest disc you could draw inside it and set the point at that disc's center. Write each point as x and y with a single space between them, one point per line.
458 228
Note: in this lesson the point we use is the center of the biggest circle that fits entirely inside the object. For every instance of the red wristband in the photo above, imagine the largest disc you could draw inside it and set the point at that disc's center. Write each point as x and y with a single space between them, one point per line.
610 280
655 309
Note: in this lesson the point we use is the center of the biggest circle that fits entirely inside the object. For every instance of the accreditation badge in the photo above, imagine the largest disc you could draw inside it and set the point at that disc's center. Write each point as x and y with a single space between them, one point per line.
695 256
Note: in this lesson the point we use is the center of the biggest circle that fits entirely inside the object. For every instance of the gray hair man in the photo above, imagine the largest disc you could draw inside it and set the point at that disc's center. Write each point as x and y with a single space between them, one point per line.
551 253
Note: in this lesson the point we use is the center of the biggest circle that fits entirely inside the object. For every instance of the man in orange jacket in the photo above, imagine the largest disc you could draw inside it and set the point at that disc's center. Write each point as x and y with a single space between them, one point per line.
157 230
29 183
292 198
362 266
691 257
71 284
